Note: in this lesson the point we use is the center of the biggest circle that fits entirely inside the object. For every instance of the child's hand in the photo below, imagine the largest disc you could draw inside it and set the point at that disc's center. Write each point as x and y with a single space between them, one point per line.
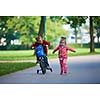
53 52
32 47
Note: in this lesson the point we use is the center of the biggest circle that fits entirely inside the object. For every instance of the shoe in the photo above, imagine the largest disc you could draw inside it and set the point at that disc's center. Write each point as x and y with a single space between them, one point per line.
61 73
51 69
66 73
37 71
37 62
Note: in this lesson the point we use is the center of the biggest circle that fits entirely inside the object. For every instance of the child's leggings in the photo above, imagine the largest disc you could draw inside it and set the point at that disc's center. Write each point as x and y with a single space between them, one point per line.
63 65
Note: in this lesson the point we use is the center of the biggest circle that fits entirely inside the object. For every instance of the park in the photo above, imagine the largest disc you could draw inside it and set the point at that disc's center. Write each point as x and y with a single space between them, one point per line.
17 59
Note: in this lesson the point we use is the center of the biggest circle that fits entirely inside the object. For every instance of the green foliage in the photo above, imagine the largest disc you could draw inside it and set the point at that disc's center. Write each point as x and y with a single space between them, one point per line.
13 47
76 21
97 25
25 28
55 30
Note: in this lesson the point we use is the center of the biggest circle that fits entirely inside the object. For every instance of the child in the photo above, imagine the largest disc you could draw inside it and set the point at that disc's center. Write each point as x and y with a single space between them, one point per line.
62 54
40 41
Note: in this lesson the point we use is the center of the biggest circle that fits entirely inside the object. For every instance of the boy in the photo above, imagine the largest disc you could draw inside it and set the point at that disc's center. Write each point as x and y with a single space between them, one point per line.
40 41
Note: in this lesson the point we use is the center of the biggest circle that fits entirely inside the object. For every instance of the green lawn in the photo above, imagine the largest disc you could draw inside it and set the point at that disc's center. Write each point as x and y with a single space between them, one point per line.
17 55
28 54
9 67
79 52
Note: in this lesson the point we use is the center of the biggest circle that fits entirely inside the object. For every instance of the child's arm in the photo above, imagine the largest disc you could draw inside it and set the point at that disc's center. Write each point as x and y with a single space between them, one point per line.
47 43
71 49
55 49
33 46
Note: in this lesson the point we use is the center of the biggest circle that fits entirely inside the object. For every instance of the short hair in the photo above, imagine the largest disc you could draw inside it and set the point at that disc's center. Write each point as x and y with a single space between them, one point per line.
38 37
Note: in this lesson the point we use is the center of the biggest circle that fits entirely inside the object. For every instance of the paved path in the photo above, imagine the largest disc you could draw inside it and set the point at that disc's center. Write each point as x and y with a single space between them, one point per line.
82 69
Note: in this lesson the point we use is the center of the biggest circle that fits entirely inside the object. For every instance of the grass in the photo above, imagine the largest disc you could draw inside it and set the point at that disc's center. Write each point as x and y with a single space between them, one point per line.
9 67
84 51
17 55
28 54
79 52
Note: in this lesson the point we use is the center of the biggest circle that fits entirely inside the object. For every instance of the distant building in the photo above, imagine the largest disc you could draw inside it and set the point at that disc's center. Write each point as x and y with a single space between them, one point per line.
2 42
15 42
81 38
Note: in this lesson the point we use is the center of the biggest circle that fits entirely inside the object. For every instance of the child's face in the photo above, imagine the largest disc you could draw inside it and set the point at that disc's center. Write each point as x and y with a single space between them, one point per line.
39 40
62 43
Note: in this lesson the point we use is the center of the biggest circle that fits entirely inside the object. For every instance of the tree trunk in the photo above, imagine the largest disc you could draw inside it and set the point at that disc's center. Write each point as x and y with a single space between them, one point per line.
98 39
75 36
92 49
98 35
42 26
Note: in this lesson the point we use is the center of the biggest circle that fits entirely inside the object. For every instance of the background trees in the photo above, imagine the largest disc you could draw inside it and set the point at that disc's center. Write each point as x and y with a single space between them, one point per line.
25 28
75 22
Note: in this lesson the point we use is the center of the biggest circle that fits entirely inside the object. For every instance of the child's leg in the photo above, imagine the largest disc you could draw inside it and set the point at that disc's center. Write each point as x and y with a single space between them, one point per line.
37 59
65 66
61 65
46 61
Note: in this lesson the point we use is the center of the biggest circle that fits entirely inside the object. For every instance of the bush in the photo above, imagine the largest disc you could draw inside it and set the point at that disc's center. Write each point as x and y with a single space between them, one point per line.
18 47
3 47
13 47
97 45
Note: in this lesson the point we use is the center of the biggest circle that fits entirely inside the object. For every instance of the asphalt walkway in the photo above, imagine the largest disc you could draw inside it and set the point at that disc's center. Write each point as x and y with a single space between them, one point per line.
81 70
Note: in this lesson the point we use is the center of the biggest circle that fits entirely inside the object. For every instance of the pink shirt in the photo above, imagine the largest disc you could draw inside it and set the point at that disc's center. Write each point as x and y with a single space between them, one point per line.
62 51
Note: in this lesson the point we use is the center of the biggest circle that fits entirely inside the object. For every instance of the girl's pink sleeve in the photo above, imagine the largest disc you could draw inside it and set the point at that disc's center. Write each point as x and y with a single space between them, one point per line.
70 49
55 49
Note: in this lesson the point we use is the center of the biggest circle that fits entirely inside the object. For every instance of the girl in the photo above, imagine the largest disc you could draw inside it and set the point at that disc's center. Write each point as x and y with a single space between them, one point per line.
62 54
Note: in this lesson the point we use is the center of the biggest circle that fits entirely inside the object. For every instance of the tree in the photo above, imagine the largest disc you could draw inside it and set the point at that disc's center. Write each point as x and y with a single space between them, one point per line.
4 28
27 26
75 22
92 49
24 28
97 26
42 27
55 29
43 22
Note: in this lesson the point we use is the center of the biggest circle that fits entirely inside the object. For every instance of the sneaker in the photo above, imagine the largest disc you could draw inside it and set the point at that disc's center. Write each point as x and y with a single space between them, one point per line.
61 73
37 71
37 62
51 69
